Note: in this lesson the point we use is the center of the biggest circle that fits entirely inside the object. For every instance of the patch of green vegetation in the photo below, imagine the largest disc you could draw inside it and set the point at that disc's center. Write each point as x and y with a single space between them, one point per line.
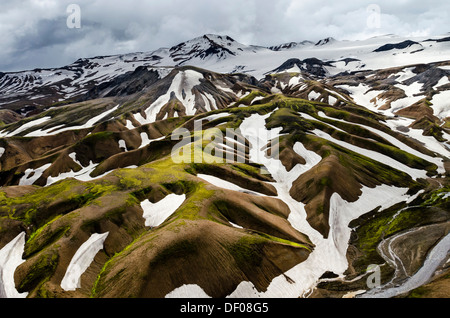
130 183
43 206
348 127
372 228
388 150
97 286
26 206
320 209
381 172
371 233
181 186
296 104
289 120
247 251
283 241
446 124
39 230
404 157
430 128
368 117
95 190
33 246
40 271
420 292
262 109
193 204
178 249
251 170
247 100
437 197
325 182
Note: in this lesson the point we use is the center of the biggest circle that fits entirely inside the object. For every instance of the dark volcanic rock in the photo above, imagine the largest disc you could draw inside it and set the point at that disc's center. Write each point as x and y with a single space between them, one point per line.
126 84
400 46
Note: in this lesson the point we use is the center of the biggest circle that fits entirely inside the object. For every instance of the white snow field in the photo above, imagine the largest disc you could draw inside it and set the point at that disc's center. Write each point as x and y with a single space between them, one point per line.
31 175
10 259
156 213
56 130
25 126
220 183
145 140
394 141
83 175
181 86
82 260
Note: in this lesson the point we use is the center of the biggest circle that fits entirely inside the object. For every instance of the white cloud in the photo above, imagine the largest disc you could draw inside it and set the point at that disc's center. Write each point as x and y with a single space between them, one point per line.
34 32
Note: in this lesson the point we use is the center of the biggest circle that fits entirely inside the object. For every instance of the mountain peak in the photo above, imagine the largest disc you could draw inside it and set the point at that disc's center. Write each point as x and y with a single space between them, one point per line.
206 46
328 40
218 38
290 45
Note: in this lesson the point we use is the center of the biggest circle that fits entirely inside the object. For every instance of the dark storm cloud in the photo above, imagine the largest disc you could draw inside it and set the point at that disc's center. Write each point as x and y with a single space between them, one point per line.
34 32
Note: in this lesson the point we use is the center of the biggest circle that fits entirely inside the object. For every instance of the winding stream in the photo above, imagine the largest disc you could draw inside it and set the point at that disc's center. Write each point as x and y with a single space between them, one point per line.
435 258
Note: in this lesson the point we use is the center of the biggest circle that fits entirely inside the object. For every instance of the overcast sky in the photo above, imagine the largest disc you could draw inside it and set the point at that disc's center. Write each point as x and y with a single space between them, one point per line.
34 33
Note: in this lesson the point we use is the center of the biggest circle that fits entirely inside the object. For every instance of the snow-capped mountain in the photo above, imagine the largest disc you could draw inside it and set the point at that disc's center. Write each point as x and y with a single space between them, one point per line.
30 90
326 41
113 183
208 47
291 45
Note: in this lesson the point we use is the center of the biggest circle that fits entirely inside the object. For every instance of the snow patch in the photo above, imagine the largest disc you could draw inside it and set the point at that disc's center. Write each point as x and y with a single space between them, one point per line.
26 126
156 213
411 91
428 141
10 259
82 260
216 116
313 95
35 175
443 81
441 104
89 124
123 145
414 173
181 86
333 249
145 141
83 175
404 75
188 291
220 183
257 98
129 125
361 95
332 100
394 141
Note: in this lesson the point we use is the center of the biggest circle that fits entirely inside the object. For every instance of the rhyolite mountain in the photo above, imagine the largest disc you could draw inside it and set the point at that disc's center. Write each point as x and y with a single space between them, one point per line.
94 203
